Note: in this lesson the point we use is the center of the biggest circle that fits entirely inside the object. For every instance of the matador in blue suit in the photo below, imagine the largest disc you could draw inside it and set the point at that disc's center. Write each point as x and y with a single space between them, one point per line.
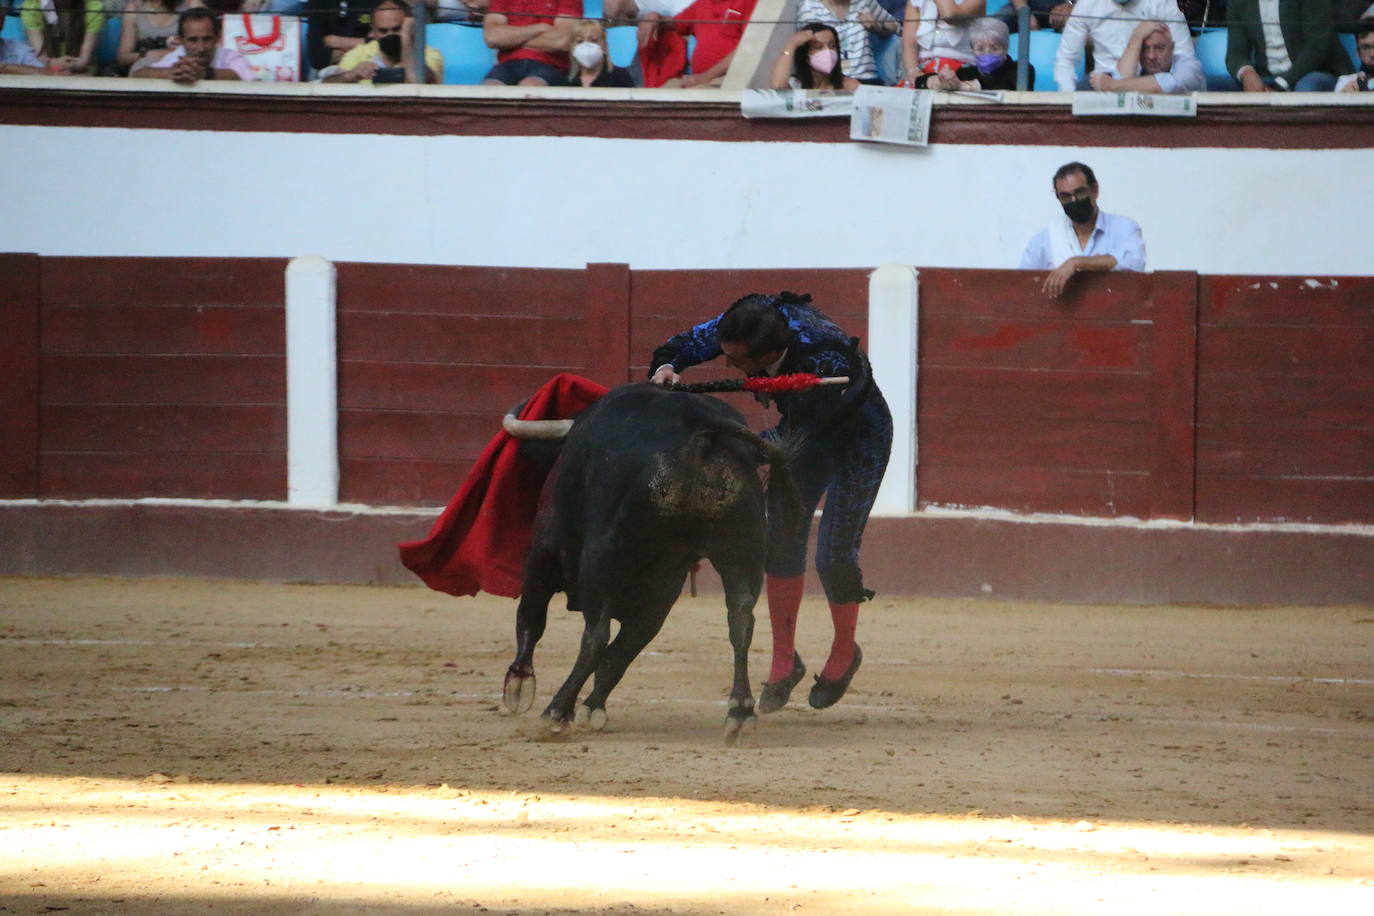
845 435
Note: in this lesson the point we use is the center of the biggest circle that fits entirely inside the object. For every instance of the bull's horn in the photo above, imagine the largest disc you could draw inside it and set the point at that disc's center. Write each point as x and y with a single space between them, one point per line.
535 429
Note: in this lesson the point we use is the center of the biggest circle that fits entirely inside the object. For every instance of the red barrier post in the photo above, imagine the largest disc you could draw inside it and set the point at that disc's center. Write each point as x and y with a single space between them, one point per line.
19 341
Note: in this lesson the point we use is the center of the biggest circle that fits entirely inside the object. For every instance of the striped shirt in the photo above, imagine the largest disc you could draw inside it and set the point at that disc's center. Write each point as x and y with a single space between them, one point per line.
856 53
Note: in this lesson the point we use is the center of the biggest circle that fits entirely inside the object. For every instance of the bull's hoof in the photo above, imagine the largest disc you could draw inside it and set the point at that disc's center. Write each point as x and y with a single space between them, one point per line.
775 694
518 692
741 731
594 719
557 722
741 725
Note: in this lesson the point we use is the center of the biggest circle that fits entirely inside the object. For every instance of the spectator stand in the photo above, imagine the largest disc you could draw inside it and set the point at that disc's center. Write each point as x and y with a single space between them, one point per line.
467 59
623 43
1044 47
1348 42
13 29
1211 53
466 55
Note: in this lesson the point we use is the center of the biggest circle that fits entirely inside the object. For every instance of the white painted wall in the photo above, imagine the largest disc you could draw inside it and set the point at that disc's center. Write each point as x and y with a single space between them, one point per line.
566 201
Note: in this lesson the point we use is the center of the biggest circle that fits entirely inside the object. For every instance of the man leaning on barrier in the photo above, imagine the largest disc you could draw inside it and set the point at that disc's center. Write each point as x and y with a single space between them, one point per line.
1084 238
198 56
1149 65
1109 25
386 56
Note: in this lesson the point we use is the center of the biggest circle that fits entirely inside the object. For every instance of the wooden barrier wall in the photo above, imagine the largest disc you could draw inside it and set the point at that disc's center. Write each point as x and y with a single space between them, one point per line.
151 377
430 357
1159 395
1285 399
1082 406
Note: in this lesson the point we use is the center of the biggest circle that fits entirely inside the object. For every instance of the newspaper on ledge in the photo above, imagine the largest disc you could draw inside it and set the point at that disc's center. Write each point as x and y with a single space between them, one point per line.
884 114
795 103
1134 103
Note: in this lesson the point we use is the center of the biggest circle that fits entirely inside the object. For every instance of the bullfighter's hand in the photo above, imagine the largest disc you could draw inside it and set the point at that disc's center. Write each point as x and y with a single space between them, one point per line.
666 376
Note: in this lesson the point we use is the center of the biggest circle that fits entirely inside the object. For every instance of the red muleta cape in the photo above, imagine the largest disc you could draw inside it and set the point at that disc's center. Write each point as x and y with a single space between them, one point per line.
481 539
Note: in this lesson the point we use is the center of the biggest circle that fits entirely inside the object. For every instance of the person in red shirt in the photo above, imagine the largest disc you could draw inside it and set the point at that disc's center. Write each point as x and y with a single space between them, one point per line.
532 38
718 26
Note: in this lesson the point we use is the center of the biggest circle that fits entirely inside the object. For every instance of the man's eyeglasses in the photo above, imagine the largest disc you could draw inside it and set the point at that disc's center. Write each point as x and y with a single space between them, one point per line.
1365 46
1080 194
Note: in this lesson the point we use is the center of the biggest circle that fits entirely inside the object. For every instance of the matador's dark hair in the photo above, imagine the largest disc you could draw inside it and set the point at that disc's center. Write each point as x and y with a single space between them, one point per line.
756 322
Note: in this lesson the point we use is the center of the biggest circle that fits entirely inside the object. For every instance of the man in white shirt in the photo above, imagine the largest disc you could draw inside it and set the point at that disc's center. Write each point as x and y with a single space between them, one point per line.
1084 238
1149 64
1110 24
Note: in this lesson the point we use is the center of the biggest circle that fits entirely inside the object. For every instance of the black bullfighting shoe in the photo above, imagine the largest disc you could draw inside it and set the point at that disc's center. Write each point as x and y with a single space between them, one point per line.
826 693
775 693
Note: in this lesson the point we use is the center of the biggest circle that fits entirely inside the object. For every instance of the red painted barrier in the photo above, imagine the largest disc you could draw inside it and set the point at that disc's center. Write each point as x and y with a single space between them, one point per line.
162 377
20 297
1286 399
1157 395
1081 405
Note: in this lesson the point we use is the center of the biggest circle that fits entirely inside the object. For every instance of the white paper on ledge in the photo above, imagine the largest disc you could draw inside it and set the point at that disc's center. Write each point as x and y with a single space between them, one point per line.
795 103
884 114
1134 103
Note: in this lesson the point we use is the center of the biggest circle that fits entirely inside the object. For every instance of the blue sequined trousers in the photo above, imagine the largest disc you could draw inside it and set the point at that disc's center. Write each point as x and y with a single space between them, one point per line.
840 461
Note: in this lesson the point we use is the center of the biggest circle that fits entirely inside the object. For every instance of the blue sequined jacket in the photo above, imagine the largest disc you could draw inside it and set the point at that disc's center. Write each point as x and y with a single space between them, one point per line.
821 348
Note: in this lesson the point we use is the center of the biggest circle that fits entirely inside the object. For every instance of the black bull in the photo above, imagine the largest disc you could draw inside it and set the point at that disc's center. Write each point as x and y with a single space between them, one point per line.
648 482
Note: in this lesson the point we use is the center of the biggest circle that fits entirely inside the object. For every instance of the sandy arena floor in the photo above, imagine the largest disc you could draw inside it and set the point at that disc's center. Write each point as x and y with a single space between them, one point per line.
182 746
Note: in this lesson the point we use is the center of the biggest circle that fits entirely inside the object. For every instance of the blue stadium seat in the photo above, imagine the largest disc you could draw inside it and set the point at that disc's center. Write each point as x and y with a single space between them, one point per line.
1348 41
1211 53
592 9
13 28
1044 45
887 55
107 48
623 42
994 6
466 55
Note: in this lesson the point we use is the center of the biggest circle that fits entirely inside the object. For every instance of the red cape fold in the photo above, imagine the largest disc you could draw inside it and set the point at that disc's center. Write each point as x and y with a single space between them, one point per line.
481 539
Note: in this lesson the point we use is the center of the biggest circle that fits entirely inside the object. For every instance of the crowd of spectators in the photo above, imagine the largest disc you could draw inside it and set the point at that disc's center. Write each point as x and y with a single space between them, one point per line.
1107 45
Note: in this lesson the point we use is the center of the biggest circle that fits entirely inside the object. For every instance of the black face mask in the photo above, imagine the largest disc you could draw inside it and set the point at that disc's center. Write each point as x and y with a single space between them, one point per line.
1080 211
390 46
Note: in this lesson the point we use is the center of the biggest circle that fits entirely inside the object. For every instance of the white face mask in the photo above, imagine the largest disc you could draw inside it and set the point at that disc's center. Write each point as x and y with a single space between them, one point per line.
588 54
